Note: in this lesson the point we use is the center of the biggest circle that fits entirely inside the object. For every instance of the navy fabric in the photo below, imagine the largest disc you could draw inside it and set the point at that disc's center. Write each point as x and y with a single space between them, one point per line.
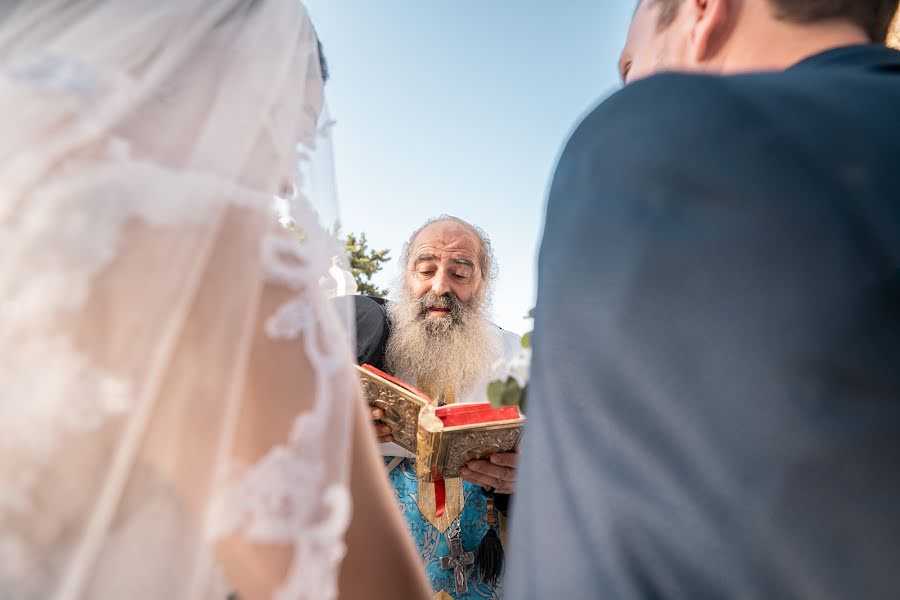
714 409
372 329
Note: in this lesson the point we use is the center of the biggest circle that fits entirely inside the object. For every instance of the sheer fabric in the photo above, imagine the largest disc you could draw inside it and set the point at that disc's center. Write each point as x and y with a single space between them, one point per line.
172 379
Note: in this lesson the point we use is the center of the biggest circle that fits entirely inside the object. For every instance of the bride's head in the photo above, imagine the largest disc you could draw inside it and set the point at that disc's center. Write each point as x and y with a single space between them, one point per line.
221 87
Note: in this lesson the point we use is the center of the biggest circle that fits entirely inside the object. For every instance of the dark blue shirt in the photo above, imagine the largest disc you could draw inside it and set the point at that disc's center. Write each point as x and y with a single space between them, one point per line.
714 410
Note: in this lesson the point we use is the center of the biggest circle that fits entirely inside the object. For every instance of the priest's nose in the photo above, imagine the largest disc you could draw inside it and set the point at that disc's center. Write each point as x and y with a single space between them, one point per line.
440 283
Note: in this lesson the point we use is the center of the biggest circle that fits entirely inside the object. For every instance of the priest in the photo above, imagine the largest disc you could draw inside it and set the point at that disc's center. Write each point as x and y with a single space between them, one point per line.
436 335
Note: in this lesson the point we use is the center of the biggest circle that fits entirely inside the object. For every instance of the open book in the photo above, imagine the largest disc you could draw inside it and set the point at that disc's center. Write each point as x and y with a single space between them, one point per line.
443 438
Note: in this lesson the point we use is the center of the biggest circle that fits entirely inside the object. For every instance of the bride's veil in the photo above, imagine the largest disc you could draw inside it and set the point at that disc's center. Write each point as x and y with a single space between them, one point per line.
174 387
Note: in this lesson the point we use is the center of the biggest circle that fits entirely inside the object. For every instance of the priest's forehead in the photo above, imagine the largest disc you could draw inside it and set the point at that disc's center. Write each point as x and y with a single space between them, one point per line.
447 236
483 252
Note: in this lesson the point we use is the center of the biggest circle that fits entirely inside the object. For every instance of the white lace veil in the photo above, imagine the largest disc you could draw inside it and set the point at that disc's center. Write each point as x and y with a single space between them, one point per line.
174 387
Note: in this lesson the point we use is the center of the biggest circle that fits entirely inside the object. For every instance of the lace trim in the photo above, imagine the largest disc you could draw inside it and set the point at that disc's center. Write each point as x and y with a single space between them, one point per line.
55 250
286 497
68 243
281 499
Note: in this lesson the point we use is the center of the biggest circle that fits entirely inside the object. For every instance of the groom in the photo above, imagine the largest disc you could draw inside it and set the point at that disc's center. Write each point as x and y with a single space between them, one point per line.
714 409
436 335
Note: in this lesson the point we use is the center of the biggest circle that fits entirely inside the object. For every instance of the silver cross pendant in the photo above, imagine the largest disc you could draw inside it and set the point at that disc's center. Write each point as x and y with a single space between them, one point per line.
459 560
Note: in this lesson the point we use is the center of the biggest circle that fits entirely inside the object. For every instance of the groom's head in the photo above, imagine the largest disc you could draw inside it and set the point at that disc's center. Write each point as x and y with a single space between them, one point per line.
729 36
440 330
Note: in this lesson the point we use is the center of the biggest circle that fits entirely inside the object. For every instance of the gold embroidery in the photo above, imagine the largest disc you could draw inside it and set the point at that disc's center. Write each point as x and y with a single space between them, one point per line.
453 502
442 595
439 397
425 498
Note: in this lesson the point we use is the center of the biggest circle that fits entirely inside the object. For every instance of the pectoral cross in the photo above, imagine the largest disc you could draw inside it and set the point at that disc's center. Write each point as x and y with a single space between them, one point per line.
459 561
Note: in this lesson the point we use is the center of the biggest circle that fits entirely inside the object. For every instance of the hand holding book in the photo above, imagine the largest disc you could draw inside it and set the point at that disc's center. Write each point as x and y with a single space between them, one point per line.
383 431
444 438
473 441
497 472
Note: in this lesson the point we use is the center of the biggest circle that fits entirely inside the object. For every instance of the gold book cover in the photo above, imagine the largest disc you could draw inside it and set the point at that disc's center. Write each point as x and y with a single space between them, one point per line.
443 438
400 402
451 436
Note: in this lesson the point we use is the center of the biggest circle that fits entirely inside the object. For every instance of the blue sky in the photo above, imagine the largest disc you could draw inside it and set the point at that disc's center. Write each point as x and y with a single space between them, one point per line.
462 107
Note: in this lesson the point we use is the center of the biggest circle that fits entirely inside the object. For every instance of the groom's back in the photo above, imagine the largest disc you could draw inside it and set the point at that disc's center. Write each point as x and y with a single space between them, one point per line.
715 402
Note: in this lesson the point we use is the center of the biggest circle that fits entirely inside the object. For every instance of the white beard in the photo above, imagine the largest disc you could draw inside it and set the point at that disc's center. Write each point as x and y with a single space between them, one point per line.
447 353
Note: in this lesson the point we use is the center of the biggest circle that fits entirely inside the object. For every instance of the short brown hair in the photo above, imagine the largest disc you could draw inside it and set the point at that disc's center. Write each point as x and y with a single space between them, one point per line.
874 16
668 10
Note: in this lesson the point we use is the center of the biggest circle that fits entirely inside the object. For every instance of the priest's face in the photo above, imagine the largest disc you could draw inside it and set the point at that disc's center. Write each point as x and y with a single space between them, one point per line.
440 334
444 267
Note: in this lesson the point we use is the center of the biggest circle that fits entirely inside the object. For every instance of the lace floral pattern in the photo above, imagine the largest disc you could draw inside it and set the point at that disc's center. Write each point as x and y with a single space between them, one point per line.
69 187
286 497
280 499
55 252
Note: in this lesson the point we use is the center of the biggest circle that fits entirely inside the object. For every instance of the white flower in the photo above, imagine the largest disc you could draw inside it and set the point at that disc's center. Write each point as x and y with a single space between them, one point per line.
517 368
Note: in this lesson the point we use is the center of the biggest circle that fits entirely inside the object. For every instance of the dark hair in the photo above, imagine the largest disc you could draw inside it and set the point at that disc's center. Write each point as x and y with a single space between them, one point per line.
323 64
242 10
668 10
874 16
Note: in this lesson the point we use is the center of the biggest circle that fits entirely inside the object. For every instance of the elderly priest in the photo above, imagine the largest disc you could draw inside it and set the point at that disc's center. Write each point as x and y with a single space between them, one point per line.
436 335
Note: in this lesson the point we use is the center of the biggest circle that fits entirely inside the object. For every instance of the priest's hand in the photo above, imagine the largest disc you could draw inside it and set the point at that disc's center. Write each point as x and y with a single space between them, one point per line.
382 431
499 472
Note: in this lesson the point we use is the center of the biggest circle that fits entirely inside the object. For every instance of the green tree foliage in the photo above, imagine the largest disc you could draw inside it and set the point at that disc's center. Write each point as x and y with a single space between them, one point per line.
365 262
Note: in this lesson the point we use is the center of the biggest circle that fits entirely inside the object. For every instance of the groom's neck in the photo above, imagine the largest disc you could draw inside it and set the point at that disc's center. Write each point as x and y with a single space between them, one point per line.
776 45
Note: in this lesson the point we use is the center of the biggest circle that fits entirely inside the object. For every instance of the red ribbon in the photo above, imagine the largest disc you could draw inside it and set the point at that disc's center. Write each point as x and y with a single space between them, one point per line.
440 497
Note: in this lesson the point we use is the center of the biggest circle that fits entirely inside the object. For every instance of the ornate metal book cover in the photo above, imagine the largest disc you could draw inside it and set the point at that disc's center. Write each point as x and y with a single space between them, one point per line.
451 436
446 438
400 402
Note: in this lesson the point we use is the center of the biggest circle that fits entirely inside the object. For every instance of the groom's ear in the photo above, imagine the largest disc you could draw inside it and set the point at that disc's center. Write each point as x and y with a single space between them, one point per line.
711 27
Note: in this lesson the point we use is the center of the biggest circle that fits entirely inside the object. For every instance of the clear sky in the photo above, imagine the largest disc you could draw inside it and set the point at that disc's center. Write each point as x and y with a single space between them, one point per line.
462 107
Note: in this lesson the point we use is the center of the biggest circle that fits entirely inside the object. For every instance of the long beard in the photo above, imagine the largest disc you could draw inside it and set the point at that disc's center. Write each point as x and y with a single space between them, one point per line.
447 353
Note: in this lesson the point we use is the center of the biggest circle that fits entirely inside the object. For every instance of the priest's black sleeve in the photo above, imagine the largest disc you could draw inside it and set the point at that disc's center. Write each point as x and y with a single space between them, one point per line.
371 328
